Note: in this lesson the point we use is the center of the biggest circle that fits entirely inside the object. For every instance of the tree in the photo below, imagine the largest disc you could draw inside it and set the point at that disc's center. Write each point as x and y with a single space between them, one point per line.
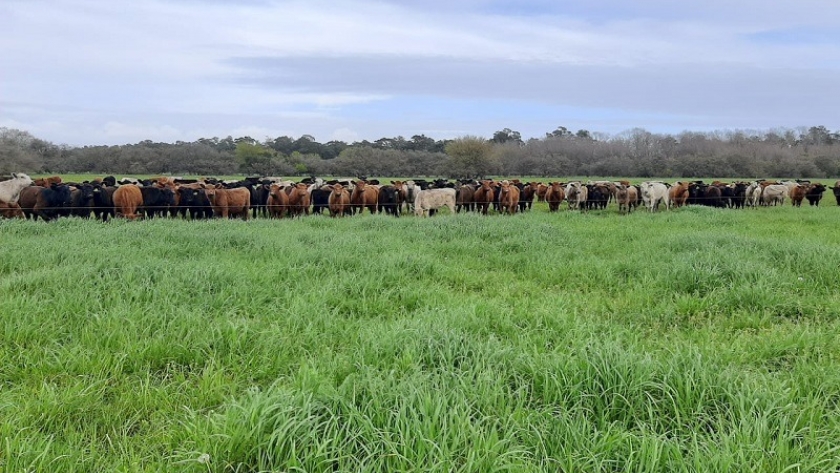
471 157
253 158
507 136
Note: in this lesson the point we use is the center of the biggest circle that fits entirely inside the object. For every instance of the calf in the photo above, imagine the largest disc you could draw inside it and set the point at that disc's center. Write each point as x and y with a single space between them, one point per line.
82 200
388 200
277 203
814 194
554 196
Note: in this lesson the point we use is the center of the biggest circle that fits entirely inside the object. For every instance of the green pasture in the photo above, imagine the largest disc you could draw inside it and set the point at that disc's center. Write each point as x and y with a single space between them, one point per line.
699 339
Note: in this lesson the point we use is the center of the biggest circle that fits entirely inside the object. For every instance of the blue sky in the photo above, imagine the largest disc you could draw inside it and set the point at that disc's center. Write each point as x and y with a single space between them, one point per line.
87 72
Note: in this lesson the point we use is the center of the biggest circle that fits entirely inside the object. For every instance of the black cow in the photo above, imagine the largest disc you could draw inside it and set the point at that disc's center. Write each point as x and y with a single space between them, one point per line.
815 193
739 195
194 201
103 201
157 201
320 199
81 200
388 200
46 202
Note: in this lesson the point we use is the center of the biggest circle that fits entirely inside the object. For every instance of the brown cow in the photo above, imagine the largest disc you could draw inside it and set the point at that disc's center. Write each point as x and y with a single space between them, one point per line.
10 210
278 201
484 196
339 201
229 203
797 194
509 198
678 194
541 190
465 199
555 195
299 199
47 181
364 195
127 200
627 198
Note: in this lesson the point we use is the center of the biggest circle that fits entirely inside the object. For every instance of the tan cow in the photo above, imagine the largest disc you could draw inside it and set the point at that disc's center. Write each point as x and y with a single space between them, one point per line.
509 198
433 199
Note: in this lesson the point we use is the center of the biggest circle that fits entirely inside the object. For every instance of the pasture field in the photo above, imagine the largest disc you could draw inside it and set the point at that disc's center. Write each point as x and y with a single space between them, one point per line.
699 339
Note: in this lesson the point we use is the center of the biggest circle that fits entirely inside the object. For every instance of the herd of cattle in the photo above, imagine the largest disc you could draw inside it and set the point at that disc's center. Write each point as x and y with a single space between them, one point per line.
50 198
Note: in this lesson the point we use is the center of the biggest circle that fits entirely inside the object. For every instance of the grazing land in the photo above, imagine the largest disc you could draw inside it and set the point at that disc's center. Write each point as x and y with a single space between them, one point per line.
697 339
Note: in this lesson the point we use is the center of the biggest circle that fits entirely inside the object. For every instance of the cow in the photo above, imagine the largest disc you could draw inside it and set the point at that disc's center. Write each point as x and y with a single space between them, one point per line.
157 202
82 200
774 194
320 198
465 197
432 199
388 200
509 198
128 199
625 196
48 181
9 210
229 203
541 190
815 193
10 189
103 201
483 196
192 201
277 203
339 201
46 202
835 190
678 194
364 196
577 195
412 188
299 199
797 194
654 194
526 196
554 196
739 195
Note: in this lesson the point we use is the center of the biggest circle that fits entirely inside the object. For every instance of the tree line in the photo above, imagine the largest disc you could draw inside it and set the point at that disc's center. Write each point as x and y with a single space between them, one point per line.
797 153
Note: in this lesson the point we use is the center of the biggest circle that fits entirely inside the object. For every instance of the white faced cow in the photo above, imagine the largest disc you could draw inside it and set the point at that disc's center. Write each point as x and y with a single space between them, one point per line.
653 194
10 189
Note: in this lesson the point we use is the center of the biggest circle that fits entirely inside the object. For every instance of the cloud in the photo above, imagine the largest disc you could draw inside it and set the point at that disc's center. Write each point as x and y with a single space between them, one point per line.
85 70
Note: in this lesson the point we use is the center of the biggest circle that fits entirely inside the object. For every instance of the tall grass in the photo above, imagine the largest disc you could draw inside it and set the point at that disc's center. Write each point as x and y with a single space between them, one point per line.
693 340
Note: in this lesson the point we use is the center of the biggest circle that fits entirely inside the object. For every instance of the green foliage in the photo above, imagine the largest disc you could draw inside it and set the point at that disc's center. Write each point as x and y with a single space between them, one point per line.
693 340
253 157
471 157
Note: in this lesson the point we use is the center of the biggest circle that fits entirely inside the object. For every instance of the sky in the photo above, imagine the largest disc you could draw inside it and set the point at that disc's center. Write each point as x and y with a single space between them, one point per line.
92 72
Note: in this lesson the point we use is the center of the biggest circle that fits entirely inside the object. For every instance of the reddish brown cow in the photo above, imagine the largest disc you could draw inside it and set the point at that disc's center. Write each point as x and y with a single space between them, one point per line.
278 202
127 199
484 196
466 198
10 210
47 181
541 190
797 195
229 203
339 201
678 194
509 198
364 195
299 199
555 194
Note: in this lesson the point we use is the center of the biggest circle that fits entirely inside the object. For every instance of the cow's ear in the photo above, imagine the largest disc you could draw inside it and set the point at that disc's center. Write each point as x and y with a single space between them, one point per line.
203 186
219 186
14 175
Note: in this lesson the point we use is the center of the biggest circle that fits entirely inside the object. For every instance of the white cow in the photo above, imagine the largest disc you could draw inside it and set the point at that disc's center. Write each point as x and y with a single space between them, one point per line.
774 194
576 195
10 190
654 193
434 199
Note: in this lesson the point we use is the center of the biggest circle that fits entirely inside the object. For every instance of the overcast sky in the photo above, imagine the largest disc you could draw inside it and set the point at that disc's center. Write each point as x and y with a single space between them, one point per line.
86 72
